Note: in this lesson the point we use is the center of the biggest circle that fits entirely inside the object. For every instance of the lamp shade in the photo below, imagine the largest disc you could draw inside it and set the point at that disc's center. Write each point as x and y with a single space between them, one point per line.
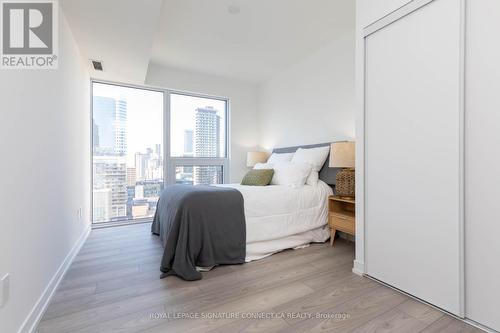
254 157
342 154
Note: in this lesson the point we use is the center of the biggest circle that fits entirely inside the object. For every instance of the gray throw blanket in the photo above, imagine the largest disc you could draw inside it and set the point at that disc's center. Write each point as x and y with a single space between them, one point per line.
199 226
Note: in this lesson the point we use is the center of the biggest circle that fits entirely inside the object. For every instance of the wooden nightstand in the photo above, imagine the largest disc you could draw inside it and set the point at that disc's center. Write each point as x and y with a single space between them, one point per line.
342 213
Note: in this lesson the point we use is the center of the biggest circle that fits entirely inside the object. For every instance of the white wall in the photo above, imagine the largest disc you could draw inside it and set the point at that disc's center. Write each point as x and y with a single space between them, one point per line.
312 101
243 99
359 83
45 175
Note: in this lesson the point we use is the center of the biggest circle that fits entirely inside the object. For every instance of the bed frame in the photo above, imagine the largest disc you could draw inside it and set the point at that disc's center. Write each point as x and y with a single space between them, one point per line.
326 173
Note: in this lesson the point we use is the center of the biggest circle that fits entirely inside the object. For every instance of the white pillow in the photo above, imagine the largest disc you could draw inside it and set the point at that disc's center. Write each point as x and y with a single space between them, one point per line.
290 174
313 178
316 157
259 166
274 158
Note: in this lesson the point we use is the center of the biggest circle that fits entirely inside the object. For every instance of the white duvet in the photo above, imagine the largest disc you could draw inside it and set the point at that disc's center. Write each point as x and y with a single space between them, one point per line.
280 217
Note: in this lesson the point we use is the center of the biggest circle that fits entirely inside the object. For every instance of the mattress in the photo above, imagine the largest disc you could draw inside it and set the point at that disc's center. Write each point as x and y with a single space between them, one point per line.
280 217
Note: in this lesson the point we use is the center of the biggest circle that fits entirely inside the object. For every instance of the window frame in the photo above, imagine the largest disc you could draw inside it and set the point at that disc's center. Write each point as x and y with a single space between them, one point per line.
170 163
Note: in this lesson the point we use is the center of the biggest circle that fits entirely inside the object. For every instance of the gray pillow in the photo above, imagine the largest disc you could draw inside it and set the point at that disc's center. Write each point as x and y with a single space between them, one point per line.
261 177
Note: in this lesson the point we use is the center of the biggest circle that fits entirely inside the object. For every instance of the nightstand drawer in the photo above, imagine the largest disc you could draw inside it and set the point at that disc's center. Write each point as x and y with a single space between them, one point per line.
341 216
342 223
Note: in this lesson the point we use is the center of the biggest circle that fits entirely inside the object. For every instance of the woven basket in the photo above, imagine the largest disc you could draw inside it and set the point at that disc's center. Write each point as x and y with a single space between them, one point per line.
345 183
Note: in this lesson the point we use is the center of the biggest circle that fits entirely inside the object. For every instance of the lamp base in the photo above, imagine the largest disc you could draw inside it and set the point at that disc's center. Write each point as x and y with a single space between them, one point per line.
345 184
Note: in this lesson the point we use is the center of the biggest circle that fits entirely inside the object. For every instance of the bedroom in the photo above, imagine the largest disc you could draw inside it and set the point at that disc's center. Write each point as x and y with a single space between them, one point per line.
105 134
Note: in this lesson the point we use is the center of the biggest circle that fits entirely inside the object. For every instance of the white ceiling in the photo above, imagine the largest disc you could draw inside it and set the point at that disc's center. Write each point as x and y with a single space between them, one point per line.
120 33
262 38
265 36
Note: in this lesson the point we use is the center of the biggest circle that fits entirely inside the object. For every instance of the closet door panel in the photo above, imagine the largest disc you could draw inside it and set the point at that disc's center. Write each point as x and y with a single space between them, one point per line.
412 154
482 219
373 10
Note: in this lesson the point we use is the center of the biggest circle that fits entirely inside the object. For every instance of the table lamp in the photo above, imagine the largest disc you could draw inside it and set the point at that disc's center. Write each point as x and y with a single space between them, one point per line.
342 156
254 157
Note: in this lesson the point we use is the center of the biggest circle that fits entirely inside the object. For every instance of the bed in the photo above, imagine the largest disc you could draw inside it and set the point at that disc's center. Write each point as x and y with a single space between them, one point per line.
279 217
205 226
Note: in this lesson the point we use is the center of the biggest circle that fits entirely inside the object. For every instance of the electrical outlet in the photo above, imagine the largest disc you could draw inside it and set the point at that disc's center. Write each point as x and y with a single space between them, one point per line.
4 289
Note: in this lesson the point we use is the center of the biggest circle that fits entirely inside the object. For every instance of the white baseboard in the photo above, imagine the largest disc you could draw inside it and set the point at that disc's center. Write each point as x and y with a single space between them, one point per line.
478 325
38 310
358 268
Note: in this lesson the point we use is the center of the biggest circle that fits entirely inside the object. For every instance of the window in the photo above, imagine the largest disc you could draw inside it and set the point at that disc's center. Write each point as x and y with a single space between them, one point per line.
199 174
197 126
127 140
129 133
198 145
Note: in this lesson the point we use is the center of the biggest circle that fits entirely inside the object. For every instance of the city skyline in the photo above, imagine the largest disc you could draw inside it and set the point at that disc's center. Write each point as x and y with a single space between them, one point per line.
144 116
183 118
128 160
127 168
147 103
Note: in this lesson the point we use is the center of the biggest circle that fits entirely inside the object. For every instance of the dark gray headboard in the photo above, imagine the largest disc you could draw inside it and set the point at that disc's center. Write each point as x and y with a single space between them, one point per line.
326 173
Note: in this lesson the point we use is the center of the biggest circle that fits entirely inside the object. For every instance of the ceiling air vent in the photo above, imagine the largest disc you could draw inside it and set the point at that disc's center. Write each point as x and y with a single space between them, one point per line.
97 64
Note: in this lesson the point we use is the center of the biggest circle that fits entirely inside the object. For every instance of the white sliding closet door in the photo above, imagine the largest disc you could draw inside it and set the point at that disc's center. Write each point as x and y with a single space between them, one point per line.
482 220
413 119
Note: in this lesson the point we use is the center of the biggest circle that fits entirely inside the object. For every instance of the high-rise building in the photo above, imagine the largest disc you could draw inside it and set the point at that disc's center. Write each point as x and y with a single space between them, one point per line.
103 125
121 127
154 167
110 173
109 126
140 165
207 144
149 165
188 143
131 177
207 174
207 135
158 149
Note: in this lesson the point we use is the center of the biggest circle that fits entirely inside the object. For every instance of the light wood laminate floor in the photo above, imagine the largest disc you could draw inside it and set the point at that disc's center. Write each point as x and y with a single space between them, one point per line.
114 286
